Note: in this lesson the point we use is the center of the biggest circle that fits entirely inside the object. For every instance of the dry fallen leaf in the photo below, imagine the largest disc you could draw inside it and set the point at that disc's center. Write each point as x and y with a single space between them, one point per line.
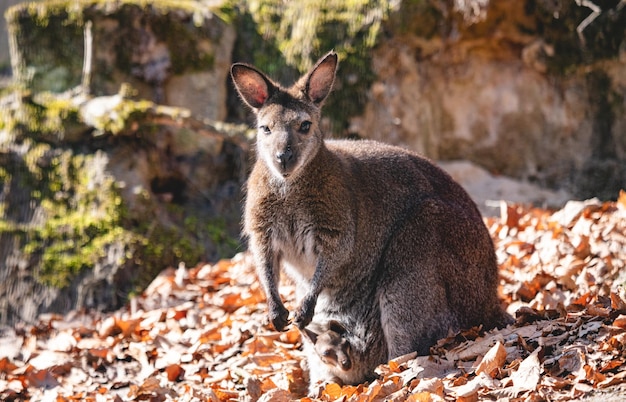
527 375
620 321
493 359
200 333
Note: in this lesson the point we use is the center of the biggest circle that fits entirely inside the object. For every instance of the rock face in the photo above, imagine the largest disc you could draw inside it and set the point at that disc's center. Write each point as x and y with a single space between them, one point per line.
98 195
173 53
508 92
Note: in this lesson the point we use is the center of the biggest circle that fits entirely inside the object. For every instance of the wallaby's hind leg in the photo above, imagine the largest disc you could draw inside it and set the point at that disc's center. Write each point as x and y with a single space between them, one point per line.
439 275
416 314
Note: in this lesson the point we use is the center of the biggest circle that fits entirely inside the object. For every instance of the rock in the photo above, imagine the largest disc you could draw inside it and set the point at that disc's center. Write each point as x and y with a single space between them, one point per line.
486 189
88 218
173 53
514 91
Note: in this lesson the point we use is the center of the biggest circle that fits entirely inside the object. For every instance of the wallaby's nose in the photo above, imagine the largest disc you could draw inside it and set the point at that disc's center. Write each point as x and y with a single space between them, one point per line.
284 156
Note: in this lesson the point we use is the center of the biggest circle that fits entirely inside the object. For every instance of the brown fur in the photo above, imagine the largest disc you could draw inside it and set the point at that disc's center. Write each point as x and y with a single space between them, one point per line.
374 236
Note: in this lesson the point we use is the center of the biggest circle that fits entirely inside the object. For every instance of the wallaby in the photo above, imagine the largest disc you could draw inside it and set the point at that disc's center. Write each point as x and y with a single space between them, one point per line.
372 234
331 347
331 356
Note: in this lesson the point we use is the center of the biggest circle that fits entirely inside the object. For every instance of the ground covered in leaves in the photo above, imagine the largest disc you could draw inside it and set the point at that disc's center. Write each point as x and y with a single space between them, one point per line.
200 334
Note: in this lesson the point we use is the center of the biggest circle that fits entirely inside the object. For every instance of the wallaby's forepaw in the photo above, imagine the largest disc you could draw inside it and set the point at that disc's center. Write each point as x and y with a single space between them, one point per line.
279 317
303 316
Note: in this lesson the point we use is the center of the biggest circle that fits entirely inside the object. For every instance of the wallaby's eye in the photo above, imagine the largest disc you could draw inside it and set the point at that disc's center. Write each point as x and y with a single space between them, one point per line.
305 127
329 354
265 129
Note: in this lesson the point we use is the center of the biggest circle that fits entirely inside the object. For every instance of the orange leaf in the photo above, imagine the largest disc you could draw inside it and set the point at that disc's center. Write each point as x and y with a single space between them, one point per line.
174 372
225 394
349 390
267 359
333 390
617 303
618 378
6 366
42 379
292 335
430 385
620 321
420 397
267 384
101 353
592 375
469 398
583 300
621 200
611 364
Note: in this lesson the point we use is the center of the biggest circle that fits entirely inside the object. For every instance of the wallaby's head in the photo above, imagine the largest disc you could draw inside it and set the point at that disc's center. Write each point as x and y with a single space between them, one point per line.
288 136
331 345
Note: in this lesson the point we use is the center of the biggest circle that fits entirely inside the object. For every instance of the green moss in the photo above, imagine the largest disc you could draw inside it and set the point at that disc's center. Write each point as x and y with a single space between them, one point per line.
42 116
81 207
157 244
84 217
218 234
123 116
83 213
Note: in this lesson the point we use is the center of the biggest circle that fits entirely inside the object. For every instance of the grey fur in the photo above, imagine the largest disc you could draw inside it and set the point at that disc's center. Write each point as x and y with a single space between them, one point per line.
374 236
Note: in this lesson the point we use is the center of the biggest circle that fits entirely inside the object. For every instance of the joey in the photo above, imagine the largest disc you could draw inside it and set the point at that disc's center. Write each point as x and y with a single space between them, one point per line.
331 356
331 345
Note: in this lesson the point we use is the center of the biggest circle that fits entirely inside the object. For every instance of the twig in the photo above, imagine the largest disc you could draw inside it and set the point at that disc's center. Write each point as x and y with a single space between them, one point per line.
86 80
595 12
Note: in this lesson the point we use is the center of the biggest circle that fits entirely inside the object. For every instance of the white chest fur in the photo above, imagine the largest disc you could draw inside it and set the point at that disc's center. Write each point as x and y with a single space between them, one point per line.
298 256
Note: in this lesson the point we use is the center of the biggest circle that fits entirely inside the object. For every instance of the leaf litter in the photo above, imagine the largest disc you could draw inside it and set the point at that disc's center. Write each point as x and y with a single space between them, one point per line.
201 333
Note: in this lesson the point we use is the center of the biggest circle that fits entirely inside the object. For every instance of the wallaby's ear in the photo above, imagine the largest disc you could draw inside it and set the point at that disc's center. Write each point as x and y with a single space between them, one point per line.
321 78
253 86
310 334
337 327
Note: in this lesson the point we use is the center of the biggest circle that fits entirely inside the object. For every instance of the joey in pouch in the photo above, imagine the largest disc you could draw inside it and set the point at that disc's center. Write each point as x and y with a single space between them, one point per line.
332 356
374 236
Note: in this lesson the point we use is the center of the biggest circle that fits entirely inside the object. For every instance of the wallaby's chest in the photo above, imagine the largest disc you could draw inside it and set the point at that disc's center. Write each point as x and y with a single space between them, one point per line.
294 239
293 232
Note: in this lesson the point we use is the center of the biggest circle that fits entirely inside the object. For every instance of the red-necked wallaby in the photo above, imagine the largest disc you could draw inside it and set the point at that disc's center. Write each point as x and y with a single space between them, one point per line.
373 235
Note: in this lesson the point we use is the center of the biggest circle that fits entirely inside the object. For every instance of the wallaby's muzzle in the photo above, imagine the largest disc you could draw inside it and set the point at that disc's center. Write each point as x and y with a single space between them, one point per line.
281 155
285 157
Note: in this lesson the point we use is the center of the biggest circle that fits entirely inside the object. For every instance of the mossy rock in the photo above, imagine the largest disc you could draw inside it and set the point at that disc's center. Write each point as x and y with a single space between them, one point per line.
92 210
172 52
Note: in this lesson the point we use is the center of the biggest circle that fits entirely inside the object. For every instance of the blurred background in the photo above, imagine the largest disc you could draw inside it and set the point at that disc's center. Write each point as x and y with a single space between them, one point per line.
124 148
